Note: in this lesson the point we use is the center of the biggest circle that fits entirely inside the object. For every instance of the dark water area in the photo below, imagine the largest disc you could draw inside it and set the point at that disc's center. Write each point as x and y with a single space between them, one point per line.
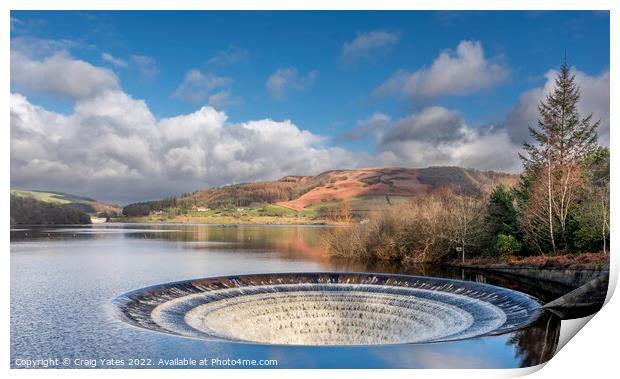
63 281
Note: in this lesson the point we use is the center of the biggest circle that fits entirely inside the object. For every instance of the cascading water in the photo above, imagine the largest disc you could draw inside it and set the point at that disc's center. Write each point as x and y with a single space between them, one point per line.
328 309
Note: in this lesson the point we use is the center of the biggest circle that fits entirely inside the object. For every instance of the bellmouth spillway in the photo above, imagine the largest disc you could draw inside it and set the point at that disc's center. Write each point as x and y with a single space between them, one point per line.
328 309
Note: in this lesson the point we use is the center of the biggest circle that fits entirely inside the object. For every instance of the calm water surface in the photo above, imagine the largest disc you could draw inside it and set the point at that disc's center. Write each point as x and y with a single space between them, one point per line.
63 280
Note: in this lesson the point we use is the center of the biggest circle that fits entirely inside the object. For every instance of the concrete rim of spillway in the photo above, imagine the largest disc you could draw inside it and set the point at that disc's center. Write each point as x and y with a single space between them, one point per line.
328 309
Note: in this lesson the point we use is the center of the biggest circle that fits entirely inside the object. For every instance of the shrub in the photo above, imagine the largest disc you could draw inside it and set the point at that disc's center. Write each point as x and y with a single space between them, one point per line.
507 245
419 231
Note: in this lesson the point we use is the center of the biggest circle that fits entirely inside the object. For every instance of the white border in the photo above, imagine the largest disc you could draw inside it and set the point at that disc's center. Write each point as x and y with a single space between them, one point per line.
592 354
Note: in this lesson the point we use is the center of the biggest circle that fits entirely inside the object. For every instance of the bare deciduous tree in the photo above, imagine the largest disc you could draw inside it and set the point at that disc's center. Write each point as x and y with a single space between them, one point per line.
466 222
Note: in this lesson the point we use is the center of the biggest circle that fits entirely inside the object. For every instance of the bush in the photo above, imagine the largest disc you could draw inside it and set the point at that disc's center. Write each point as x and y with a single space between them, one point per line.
507 245
419 231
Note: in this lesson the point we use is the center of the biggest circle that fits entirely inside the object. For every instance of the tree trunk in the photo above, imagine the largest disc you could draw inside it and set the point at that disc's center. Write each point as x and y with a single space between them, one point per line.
550 204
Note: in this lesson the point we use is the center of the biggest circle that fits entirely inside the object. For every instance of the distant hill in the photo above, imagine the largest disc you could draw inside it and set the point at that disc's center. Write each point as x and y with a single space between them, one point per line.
365 188
396 182
84 204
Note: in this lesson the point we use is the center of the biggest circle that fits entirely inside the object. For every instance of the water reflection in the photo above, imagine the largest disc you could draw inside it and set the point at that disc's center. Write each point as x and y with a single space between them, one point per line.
62 281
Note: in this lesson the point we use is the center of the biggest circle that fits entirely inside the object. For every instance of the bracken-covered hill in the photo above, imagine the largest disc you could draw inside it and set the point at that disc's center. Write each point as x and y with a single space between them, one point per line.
299 192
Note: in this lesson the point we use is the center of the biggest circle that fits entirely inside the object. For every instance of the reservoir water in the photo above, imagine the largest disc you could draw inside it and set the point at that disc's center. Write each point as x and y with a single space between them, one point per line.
64 279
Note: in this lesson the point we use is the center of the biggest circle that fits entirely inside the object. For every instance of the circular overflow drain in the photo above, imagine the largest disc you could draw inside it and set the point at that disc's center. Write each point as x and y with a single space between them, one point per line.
328 309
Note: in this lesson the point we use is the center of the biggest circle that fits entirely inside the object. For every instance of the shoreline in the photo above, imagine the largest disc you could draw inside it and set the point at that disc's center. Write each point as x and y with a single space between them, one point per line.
226 220
585 261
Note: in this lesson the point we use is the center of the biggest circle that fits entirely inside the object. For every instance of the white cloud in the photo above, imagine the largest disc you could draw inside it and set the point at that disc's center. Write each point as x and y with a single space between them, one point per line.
61 75
288 79
15 23
112 147
38 48
431 124
459 72
196 87
146 66
484 149
233 54
222 99
115 61
368 127
439 136
594 99
364 45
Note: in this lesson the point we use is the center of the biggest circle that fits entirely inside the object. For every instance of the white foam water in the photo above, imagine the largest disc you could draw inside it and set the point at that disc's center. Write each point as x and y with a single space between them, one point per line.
329 309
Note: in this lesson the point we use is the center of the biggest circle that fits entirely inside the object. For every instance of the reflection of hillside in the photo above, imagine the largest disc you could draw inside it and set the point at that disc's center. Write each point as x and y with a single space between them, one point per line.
292 242
301 247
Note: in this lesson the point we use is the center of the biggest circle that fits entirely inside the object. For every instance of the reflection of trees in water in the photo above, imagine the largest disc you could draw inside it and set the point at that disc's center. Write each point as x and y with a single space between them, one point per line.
536 344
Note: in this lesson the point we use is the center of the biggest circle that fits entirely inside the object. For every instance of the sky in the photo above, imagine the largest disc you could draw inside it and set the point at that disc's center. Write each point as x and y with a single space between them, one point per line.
137 105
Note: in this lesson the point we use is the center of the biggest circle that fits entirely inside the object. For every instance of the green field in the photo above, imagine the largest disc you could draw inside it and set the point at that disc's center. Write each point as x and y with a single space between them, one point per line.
359 205
50 197
84 204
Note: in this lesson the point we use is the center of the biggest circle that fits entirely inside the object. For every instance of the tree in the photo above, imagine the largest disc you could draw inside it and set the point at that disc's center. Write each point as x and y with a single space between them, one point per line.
346 214
553 161
467 222
593 211
501 212
535 215
29 211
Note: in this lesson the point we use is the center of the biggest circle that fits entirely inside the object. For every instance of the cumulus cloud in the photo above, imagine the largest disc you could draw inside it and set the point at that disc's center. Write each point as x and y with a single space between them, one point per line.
112 147
146 66
233 54
439 136
368 127
432 124
196 87
60 75
285 80
364 45
222 99
38 48
484 149
460 72
107 57
594 99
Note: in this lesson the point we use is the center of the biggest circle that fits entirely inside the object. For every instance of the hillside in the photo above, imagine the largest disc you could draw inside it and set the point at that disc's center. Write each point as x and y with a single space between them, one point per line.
84 204
396 182
26 210
364 189
299 192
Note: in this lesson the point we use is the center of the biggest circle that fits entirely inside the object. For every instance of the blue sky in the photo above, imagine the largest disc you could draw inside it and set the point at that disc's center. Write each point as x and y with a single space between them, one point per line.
326 72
